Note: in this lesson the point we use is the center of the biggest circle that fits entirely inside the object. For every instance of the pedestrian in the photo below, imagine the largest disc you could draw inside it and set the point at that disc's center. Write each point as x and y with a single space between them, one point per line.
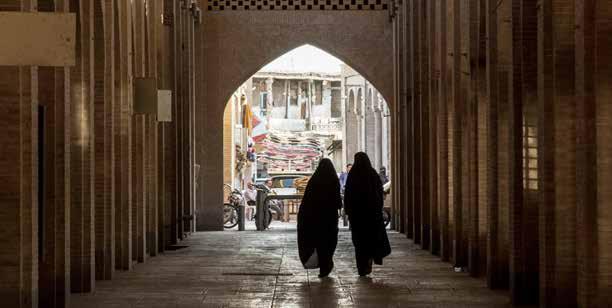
275 205
363 202
384 178
250 197
343 177
318 218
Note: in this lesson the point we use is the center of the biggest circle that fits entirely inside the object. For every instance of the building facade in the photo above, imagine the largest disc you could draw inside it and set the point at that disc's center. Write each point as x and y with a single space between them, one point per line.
367 119
297 102
302 106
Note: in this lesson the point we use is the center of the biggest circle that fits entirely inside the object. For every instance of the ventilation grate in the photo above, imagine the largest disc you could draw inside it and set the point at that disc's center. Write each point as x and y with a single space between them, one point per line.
297 5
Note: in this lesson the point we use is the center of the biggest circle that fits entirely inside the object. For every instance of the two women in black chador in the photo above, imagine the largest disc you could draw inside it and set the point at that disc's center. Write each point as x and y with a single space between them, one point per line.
318 217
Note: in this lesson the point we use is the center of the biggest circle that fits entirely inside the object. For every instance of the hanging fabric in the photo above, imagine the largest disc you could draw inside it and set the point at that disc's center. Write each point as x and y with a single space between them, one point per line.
247 121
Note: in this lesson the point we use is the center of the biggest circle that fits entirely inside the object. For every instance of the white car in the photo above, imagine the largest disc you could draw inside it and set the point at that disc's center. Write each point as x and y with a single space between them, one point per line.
283 185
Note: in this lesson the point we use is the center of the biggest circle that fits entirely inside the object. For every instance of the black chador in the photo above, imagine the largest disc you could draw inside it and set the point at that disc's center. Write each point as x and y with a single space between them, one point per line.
363 202
318 219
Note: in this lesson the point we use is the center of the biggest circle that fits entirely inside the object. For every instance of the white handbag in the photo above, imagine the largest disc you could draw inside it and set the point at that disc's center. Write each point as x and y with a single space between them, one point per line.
313 261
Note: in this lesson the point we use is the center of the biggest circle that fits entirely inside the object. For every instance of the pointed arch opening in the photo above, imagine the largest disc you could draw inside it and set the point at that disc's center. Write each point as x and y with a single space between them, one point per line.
293 111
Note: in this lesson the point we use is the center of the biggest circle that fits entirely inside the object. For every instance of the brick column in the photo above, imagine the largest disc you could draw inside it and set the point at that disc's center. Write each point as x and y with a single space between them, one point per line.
451 84
515 183
456 131
602 94
471 21
153 37
482 136
190 122
165 163
209 154
396 131
424 138
139 158
465 133
434 95
190 98
170 133
504 159
524 205
19 181
557 146
123 136
399 124
405 148
415 68
494 275
18 177
82 149
138 188
104 125
54 219
181 145
594 119
443 153
462 211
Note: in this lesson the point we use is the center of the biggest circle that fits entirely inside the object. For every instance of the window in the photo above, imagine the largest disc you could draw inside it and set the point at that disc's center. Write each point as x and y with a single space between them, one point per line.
263 102
294 94
530 155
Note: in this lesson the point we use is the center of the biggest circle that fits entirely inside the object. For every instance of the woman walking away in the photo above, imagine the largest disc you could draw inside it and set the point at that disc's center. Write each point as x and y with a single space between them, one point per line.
363 202
318 219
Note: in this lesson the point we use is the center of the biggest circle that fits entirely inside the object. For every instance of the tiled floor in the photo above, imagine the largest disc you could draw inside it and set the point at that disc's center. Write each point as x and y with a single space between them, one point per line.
262 269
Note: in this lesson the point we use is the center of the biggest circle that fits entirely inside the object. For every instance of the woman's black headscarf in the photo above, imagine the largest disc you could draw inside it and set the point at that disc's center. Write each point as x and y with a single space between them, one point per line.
363 180
324 178
318 214
363 201
363 170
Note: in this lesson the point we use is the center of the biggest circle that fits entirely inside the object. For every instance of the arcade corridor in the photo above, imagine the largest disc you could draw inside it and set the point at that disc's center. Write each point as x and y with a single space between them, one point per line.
111 149
250 269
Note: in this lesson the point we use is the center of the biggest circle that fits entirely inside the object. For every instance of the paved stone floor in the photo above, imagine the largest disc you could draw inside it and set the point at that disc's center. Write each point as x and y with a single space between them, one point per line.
262 269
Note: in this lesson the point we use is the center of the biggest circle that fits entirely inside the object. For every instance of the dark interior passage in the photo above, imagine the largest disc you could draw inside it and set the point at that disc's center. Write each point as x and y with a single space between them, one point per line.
500 132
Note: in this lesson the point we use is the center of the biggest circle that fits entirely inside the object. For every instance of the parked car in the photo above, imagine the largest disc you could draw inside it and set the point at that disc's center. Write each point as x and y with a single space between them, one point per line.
284 184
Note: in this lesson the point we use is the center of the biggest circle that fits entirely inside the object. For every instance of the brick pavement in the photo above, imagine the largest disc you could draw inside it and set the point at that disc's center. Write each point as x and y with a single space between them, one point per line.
255 269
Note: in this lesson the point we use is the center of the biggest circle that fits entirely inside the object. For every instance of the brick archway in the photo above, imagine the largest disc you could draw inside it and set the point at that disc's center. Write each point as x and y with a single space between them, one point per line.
239 43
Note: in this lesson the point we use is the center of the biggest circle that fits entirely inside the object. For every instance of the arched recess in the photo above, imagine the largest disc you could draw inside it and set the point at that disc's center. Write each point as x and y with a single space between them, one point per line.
359 103
361 142
351 136
370 137
351 101
372 101
236 44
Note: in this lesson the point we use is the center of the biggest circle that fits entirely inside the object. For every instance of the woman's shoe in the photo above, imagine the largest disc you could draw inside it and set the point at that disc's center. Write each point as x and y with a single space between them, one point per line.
324 272
366 271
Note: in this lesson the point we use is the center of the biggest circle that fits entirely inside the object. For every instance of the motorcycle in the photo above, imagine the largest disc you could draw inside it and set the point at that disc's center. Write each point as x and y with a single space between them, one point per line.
231 207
